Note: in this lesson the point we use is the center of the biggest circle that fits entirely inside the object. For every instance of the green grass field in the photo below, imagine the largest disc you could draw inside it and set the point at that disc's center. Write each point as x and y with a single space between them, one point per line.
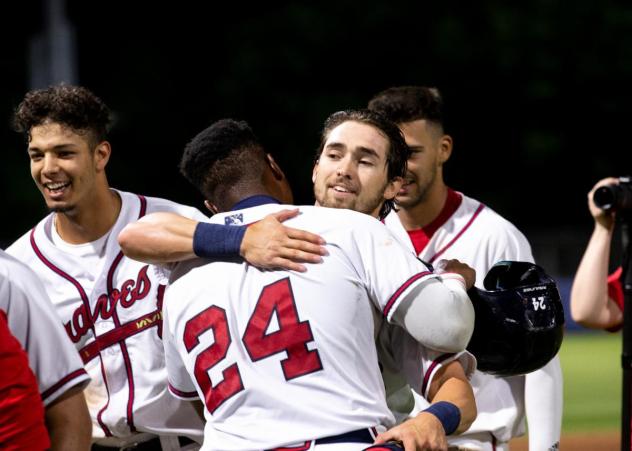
592 381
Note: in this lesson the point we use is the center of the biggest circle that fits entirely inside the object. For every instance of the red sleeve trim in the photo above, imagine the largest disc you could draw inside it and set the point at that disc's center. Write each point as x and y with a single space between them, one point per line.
62 382
183 394
403 288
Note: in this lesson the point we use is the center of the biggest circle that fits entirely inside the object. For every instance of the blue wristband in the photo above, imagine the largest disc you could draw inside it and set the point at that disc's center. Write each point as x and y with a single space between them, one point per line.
447 413
217 241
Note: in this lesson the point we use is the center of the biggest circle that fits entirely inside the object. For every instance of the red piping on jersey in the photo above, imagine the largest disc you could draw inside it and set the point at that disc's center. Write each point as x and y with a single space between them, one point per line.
401 289
183 394
117 323
126 360
304 447
63 381
469 223
86 303
433 365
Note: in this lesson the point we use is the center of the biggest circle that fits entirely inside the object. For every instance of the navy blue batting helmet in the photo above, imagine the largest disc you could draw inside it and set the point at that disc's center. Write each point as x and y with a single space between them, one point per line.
519 322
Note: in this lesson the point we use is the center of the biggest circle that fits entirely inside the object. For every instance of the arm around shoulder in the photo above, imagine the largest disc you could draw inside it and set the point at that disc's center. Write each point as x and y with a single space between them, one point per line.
159 238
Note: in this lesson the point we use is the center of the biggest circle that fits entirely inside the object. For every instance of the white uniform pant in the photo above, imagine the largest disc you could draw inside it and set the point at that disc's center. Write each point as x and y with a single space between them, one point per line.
483 441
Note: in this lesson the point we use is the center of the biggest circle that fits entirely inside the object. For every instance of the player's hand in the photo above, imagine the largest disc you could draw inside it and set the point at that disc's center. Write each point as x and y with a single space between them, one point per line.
467 272
268 244
602 217
422 433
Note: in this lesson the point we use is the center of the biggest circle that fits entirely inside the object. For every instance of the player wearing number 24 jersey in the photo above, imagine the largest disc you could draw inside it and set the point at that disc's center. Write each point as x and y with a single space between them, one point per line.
284 357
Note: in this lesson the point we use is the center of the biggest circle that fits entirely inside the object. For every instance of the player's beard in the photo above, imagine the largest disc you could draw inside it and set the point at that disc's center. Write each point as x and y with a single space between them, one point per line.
64 209
368 203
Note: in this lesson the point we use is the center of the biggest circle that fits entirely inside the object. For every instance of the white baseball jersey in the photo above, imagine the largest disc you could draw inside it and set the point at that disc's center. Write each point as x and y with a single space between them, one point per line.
111 308
280 357
478 236
34 322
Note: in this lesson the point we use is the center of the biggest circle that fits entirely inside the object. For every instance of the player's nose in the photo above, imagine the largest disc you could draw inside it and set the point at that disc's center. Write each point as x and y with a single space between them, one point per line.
344 167
50 164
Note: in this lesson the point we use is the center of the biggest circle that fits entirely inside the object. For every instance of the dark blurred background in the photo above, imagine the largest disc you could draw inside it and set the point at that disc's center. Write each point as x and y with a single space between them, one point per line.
537 93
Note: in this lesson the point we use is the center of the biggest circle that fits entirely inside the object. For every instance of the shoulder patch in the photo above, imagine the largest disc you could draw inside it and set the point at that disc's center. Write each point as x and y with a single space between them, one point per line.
236 219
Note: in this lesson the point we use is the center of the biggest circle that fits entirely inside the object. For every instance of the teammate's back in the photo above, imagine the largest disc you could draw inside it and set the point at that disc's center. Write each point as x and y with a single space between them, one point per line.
291 356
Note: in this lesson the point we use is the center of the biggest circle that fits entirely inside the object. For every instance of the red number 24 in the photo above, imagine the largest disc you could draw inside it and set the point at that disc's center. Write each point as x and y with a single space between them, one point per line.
291 337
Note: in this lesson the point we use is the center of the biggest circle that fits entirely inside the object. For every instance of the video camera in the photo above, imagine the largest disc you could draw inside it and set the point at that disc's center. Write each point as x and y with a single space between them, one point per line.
615 197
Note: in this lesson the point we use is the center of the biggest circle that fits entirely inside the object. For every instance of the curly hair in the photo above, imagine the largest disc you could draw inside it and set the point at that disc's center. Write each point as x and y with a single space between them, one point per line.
398 151
225 154
74 107
409 103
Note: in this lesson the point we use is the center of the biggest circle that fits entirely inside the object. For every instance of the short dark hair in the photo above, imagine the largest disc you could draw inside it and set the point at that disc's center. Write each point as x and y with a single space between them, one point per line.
74 107
215 157
410 103
398 150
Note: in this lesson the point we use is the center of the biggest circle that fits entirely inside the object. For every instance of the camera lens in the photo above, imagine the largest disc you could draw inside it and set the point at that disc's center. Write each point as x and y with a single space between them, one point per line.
605 196
615 197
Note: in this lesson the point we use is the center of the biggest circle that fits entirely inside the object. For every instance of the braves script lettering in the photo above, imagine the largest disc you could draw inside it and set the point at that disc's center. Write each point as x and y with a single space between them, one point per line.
130 292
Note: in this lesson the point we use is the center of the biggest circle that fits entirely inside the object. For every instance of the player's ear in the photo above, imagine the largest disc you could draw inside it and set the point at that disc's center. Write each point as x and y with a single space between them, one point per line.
102 153
445 148
393 187
211 207
274 167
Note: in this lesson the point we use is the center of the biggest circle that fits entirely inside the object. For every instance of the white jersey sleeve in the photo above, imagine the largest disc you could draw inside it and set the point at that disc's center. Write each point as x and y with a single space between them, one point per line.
34 322
436 312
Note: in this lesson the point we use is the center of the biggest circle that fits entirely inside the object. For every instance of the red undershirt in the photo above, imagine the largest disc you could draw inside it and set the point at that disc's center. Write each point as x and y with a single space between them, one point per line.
421 237
21 411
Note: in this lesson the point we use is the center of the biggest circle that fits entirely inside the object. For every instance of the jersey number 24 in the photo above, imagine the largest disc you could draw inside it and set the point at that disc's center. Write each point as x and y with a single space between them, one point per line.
291 337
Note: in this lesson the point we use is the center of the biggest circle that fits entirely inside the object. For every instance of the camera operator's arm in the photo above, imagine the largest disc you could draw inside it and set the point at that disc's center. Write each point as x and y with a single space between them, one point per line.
590 305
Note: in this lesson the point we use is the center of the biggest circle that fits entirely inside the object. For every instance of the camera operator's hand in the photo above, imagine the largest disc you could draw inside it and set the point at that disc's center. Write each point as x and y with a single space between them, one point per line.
602 217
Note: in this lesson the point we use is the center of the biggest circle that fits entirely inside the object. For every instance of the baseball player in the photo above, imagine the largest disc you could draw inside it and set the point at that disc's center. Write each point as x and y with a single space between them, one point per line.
436 222
272 342
596 298
220 147
110 305
60 375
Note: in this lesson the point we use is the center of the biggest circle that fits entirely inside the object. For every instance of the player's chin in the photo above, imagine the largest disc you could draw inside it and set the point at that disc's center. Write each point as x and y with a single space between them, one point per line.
337 202
405 200
59 207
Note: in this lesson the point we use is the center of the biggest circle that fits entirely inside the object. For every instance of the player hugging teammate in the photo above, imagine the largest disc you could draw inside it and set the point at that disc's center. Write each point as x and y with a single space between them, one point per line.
242 333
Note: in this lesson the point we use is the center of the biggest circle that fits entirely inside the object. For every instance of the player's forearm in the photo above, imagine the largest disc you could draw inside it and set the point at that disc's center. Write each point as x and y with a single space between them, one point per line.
460 394
544 405
68 422
589 294
439 315
451 385
159 238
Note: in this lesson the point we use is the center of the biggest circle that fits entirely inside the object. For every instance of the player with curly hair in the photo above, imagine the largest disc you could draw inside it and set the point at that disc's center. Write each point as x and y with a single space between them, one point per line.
111 305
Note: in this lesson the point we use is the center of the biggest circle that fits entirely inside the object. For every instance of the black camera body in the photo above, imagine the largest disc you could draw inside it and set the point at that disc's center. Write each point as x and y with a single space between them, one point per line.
615 197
